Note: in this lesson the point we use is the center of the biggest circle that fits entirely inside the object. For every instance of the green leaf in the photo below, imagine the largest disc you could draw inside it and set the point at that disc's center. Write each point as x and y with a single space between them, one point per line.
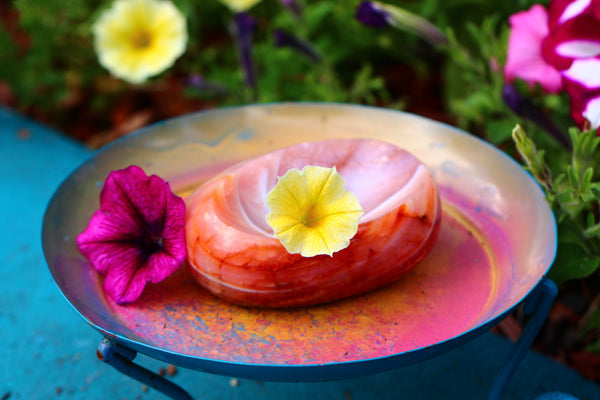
533 158
586 180
593 228
572 263
573 178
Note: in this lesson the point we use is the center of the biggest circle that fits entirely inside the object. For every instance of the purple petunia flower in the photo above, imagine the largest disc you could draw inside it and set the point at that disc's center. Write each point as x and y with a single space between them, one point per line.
368 13
137 235
244 26
381 15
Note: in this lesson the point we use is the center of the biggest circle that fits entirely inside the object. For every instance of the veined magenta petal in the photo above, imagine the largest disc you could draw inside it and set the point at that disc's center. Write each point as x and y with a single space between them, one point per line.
127 279
136 198
586 72
524 58
137 235
103 255
173 239
160 265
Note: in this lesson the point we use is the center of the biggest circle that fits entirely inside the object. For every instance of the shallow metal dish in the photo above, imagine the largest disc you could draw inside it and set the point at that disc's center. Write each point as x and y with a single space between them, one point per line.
497 242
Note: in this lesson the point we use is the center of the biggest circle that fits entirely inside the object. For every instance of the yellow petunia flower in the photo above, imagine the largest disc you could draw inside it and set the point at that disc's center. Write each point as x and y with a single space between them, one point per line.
239 5
136 39
311 212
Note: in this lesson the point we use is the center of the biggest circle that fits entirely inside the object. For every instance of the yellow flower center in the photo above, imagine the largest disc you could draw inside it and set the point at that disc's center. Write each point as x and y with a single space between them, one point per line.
312 213
312 218
141 39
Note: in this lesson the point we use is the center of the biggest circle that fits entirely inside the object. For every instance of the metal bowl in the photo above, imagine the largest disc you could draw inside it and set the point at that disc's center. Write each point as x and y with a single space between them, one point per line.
498 239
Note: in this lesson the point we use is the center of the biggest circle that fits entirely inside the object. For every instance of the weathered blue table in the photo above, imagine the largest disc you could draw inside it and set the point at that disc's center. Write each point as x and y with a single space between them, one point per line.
49 351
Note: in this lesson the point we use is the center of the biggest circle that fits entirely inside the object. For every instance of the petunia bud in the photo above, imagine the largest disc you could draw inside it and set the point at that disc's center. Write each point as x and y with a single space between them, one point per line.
244 26
284 39
380 15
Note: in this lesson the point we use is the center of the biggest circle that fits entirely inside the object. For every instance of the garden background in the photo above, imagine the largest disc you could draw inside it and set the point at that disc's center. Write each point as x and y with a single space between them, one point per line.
440 59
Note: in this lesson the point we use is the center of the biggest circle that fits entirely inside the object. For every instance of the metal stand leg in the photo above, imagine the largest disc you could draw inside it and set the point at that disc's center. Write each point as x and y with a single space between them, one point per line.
537 304
121 358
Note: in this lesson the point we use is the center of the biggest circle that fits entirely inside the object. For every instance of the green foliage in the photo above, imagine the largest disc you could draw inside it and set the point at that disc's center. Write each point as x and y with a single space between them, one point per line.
59 63
474 90
57 56
573 191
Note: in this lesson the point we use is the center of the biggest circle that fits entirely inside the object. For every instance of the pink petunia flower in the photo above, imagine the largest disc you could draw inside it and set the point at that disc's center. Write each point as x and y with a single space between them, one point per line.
524 57
137 235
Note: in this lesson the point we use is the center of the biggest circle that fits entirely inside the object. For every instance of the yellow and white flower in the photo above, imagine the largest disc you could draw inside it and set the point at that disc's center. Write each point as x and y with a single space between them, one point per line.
311 212
239 5
137 39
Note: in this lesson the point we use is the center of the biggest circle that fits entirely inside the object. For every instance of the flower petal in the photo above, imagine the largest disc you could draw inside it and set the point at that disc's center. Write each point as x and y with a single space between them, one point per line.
585 72
368 13
576 38
137 235
102 241
591 112
126 280
135 39
560 11
240 5
524 57
312 213
582 104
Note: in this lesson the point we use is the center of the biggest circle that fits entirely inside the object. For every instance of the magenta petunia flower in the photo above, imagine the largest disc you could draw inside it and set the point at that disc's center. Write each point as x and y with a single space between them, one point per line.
572 46
137 235
591 112
584 104
573 34
524 57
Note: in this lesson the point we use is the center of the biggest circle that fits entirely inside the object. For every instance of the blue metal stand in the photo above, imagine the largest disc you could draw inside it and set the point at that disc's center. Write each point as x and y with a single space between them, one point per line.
537 305
121 358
